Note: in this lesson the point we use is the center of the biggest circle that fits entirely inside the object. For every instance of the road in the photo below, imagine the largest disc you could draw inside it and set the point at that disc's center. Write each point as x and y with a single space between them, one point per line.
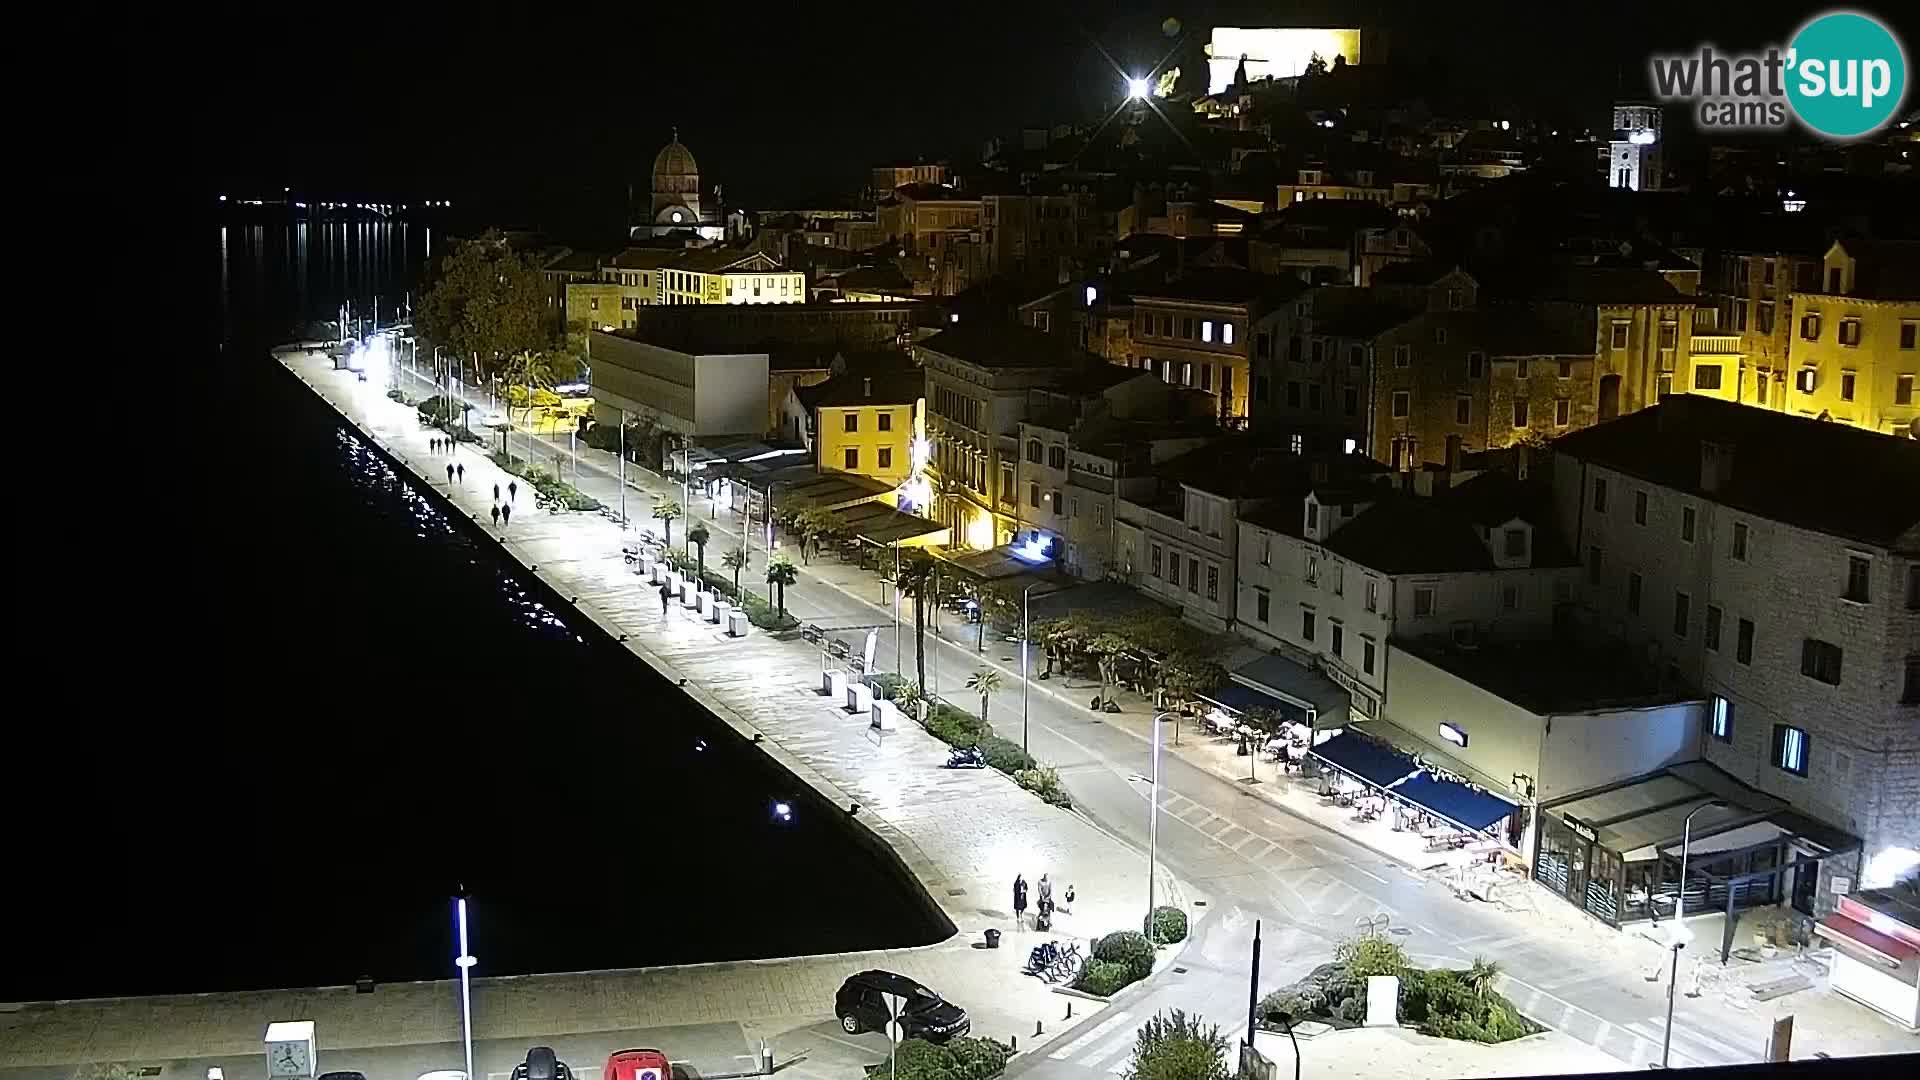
1248 859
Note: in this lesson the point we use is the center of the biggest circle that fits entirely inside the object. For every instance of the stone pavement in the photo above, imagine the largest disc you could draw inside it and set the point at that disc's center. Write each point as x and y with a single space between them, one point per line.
1372 1053
963 835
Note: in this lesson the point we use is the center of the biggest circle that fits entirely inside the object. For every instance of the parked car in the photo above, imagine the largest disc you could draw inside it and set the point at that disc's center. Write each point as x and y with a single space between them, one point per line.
862 1005
542 1064
638 1065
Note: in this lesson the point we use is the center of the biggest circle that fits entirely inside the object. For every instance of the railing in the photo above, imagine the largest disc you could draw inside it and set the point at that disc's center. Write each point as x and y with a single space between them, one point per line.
1716 344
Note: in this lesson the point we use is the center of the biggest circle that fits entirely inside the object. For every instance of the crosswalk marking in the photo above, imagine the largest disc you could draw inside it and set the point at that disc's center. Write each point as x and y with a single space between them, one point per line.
1098 1030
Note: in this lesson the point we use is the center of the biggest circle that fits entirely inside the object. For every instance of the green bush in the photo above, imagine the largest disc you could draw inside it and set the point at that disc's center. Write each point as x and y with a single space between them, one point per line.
1167 924
766 616
1103 977
1005 754
1044 781
1298 1002
956 1059
1353 1010
957 727
1367 956
1175 1046
886 684
1129 948
440 409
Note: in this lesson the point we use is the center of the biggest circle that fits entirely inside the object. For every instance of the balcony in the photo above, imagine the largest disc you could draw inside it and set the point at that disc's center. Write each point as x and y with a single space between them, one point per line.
1716 345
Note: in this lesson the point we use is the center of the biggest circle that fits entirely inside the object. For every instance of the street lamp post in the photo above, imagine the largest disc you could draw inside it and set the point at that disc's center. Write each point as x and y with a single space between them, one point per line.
1026 678
465 962
1679 924
1153 821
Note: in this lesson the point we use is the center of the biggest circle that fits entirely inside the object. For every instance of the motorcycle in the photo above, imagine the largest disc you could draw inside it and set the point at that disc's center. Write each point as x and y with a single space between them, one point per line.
966 757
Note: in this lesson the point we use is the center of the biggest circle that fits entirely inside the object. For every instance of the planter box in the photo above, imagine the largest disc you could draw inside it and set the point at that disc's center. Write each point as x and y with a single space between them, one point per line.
703 602
673 581
687 593
657 573
886 715
717 613
837 685
859 698
736 623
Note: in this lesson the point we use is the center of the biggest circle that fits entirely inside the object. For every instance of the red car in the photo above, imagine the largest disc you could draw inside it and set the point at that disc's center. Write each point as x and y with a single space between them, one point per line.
638 1065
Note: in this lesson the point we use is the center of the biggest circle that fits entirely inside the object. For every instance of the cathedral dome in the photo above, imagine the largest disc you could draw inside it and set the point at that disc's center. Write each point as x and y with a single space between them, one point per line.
675 161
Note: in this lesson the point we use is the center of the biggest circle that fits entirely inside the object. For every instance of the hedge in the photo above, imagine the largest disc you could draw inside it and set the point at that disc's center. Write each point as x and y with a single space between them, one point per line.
1167 924
1103 977
956 1059
1129 948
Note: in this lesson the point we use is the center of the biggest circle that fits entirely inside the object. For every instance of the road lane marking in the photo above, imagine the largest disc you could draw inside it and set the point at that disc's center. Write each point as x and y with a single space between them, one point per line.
1356 867
1250 838
1099 1030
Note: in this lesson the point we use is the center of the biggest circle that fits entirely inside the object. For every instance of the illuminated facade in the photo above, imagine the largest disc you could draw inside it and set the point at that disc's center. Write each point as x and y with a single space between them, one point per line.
1634 154
675 205
1855 356
1274 52
867 424
715 276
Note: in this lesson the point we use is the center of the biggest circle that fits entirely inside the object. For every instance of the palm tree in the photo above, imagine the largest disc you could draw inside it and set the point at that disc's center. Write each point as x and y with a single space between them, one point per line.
781 573
665 510
1481 975
1108 649
698 537
916 579
735 560
984 682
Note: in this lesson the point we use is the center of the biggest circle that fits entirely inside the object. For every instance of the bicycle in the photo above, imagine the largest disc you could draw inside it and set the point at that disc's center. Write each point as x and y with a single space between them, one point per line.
1066 964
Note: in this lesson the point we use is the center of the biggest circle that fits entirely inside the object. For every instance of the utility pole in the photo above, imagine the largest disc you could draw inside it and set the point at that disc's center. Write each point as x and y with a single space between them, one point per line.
1253 984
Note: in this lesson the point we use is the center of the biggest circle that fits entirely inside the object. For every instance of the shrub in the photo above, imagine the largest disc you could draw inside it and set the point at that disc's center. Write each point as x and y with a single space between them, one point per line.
765 616
1368 956
1044 781
1167 924
1297 1001
956 1059
957 727
1103 977
1353 1010
1128 948
1006 755
1175 1046
885 684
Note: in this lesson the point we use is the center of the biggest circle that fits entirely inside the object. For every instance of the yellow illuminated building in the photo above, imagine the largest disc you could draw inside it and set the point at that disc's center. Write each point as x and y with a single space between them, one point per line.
868 424
717 276
1855 358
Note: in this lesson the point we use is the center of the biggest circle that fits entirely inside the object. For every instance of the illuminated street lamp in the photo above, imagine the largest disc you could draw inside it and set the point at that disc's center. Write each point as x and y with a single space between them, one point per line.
1137 89
1153 818
465 962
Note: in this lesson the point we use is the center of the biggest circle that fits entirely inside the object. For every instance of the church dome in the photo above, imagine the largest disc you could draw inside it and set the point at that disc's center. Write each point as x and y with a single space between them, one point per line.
675 160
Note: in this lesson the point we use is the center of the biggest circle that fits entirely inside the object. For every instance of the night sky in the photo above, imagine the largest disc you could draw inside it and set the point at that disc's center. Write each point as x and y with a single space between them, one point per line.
545 118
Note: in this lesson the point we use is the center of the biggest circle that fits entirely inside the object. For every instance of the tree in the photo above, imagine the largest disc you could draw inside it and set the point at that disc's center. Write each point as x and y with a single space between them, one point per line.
1175 1046
917 579
532 373
1316 66
488 301
735 560
781 573
665 510
1107 649
1188 677
698 537
984 682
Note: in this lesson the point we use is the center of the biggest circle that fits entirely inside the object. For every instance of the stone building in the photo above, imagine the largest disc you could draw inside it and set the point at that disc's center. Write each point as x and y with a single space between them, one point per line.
1856 348
1196 331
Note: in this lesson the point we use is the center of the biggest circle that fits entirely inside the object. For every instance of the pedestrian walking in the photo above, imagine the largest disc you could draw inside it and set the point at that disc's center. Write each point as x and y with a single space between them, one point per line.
496 493
433 446
462 469
1045 899
1019 901
496 514
513 490
449 473
664 596
506 514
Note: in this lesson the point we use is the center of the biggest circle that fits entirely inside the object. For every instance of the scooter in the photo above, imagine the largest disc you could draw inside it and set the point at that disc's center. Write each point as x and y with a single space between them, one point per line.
966 757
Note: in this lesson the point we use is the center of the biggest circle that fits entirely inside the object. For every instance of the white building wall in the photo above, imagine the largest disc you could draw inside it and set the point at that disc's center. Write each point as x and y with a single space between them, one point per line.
1588 749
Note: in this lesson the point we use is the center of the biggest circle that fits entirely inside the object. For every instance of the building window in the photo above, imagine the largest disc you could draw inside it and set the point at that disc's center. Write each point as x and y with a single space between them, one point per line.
1193 575
1339 638
1633 592
1712 636
1206 376
1366 656
1593 565
1033 451
1153 561
1599 495
1186 328
1293 394
1402 404
1806 379
1639 508
1006 483
1373 595
1619 339
1740 540
1056 457
1033 494
1353 400
1403 356
1850 332
1312 573
1566 369
1820 661
886 421
1743 642
1306 624
1706 377
1910 688
1509 598
853 458
1682 613
1913 587
1355 356
1476 364
1422 601
886 457
1516 540
1810 326
1903 390
1462 410
1669 335
1859 579
1439 335
1213 582
1846 385
1206 330
1686 524
1262 605
1790 749
1266 550
1722 719
1562 412
1226 333
1313 522
1260 388
1520 414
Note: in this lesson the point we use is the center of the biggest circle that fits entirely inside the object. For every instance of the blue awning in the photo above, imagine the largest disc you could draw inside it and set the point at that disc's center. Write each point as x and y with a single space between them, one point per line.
1303 687
1240 698
1365 760
1458 803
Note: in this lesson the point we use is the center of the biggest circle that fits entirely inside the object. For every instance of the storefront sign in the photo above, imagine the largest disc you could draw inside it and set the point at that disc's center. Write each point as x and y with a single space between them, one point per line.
1840 885
1580 828
1454 734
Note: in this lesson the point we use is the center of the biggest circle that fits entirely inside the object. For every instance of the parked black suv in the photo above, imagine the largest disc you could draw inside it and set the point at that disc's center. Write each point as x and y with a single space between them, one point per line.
862 1005
542 1064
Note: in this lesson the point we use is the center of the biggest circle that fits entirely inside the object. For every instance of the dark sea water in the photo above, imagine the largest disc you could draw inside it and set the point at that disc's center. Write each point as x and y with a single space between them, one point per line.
327 706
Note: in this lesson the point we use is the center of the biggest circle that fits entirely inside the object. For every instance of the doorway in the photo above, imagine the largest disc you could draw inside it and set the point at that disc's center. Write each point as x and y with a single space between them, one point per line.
1609 397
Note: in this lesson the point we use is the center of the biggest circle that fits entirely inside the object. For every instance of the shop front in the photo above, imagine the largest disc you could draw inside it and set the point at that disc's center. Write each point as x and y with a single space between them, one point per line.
1445 811
1616 852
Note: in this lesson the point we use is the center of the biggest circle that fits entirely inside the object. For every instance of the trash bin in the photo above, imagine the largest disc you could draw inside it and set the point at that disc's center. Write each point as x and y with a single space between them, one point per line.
993 939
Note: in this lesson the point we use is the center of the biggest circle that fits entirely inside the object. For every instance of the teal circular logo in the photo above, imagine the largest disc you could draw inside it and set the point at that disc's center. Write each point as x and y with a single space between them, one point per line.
1847 74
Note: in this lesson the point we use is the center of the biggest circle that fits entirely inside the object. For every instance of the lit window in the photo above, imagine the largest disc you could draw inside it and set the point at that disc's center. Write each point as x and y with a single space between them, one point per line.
1206 330
1722 719
1226 332
1790 749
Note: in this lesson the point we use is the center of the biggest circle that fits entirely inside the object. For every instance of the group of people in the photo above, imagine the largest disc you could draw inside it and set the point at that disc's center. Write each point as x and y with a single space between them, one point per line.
1044 906
503 511
439 443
